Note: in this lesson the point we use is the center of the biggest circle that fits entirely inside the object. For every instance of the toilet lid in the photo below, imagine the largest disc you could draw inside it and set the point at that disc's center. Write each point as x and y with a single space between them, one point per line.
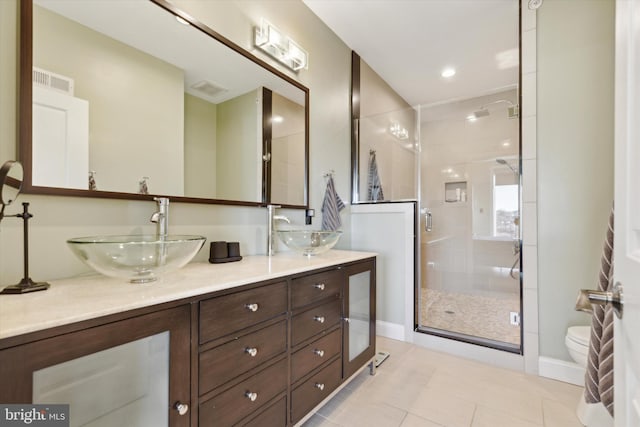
579 334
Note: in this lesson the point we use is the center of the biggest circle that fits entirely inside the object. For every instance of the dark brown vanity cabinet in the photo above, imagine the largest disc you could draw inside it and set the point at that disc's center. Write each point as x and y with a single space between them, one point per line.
90 365
359 311
263 354
243 355
316 331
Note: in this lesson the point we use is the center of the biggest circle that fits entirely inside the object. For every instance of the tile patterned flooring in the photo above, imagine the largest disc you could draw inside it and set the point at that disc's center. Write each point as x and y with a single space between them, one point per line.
476 315
416 387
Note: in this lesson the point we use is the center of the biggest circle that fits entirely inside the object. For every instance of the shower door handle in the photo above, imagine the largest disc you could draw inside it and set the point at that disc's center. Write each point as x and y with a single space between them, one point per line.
428 221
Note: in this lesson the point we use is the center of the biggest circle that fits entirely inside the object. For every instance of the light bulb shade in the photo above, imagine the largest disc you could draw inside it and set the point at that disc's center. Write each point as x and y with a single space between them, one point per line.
398 131
297 56
269 39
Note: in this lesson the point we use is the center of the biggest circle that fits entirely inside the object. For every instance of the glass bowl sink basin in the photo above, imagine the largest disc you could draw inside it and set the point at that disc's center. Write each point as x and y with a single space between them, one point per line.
138 258
309 242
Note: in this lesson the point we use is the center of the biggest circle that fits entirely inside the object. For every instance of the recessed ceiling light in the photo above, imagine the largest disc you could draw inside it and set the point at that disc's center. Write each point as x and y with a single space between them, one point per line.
448 72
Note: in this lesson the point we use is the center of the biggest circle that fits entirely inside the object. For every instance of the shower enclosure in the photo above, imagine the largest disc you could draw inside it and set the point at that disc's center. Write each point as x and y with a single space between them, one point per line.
470 287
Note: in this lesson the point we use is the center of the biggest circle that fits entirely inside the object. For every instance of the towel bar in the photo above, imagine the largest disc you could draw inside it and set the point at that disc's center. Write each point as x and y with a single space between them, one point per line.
588 297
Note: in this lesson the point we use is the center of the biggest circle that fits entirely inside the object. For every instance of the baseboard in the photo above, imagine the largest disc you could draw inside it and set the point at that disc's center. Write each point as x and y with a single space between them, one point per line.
394 331
561 370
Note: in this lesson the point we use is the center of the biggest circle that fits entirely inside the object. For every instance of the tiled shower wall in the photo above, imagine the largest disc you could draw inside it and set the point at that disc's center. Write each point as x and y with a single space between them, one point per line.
529 189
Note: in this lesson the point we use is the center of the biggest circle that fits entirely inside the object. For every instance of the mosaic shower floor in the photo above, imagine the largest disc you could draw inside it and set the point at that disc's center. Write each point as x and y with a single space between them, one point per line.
476 315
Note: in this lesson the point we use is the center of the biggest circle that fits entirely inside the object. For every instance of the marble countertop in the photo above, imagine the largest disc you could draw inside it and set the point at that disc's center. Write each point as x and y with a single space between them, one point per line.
90 296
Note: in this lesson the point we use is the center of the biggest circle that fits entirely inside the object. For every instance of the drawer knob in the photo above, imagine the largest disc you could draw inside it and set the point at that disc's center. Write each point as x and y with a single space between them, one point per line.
319 319
252 307
251 396
319 353
319 386
182 408
251 351
319 286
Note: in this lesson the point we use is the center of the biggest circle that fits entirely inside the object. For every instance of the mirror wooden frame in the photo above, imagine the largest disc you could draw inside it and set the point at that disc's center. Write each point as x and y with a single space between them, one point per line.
26 119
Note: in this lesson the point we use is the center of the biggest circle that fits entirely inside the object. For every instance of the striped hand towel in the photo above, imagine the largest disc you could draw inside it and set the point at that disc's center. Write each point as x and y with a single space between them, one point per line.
374 186
331 207
599 375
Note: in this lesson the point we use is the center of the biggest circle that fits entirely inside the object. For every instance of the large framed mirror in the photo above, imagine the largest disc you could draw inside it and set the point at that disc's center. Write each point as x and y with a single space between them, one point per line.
135 99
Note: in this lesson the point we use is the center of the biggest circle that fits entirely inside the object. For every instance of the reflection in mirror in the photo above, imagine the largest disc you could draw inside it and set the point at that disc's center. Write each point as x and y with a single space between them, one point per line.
169 109
11 176
387 156
386 139
287 150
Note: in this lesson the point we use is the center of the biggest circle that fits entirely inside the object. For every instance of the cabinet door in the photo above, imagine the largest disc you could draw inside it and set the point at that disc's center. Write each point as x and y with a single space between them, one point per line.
129 372
360 316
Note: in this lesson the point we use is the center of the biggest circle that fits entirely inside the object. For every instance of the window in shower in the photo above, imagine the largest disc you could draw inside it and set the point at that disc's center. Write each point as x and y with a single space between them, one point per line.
505 205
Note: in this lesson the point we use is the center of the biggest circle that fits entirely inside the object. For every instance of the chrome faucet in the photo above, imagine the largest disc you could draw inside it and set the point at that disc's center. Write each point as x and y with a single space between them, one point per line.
161 217
271 231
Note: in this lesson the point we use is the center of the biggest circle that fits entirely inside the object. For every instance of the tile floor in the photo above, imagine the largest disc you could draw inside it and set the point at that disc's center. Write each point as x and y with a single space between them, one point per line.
419 387
470 314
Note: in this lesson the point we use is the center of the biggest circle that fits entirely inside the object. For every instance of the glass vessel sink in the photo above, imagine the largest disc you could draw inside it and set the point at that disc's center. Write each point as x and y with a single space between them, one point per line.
138 258
309 242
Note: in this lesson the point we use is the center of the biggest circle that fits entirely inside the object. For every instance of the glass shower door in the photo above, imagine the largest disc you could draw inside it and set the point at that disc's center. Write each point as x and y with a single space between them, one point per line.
470 212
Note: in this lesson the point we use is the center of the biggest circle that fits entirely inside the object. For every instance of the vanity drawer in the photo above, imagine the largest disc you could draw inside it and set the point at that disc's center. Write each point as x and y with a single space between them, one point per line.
223 363
313 355
314 287
236 403
314 390
274 416
315 320
229 313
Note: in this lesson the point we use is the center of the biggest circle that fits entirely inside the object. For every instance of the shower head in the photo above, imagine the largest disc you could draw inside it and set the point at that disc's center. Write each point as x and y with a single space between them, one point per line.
505 163
482 112
512 109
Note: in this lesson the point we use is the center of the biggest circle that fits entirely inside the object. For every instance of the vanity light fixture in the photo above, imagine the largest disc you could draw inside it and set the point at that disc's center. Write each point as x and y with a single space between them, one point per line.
448 72
399 132
269 39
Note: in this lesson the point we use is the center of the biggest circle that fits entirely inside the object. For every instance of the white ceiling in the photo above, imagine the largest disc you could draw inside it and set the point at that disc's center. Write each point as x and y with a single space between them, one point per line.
409 42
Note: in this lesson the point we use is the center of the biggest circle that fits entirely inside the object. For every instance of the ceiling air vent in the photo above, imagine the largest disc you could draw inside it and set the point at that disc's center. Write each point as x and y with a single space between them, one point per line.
208 88
49 80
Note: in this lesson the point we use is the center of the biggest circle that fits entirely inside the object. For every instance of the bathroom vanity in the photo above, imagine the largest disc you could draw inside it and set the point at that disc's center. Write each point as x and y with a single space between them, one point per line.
260 342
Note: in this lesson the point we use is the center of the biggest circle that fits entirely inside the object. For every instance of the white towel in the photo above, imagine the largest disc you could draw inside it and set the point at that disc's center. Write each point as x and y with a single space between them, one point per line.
374 186
331 207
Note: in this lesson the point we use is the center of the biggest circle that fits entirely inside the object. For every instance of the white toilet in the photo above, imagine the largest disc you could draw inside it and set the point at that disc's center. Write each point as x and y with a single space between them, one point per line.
577 342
